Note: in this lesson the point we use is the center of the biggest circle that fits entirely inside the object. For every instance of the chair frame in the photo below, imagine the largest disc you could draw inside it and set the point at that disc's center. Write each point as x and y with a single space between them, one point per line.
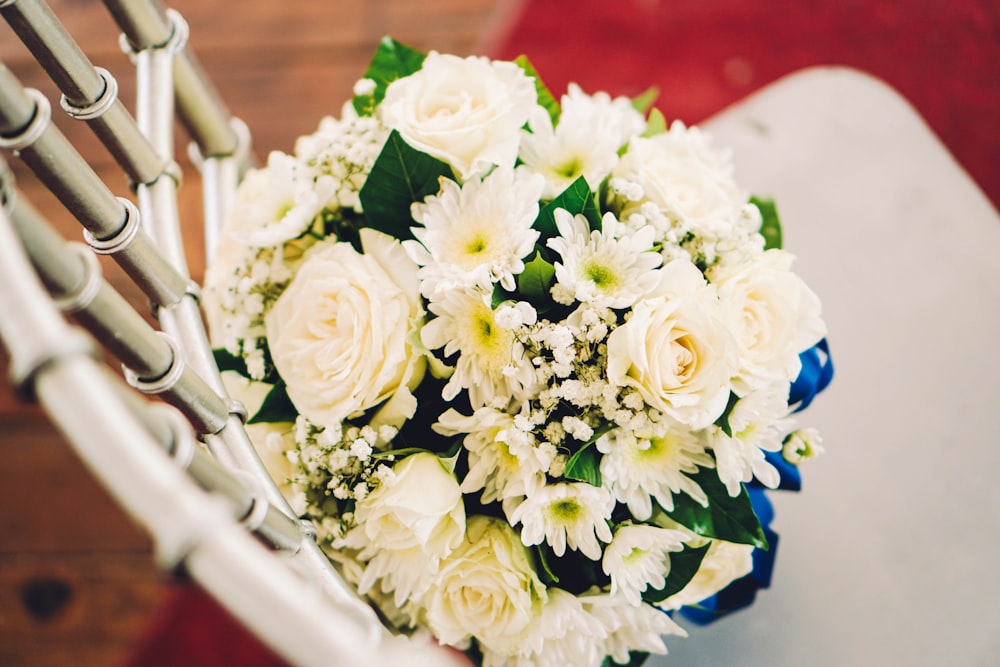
203 505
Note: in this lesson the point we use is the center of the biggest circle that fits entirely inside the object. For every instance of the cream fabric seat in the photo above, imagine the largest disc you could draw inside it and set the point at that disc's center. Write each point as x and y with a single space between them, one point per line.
888 555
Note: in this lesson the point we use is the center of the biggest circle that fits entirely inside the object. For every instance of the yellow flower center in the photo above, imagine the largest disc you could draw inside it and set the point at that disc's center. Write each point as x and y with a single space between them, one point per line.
482 337
633 555
603 277
660 452
475 245
566 511
507 459
570 169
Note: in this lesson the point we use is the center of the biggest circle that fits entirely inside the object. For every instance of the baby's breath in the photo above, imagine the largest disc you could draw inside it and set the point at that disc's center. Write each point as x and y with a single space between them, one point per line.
342 466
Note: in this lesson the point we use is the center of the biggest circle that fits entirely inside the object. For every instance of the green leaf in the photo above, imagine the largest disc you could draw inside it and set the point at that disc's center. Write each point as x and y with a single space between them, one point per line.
452 452
393 60
546 99
227 361
655 124
635 659
402 453
645 100
578 200
501 295
573 572
448 457
542 556
536 279
585 466
723 420
770 226
725 518
400 176
277 407
683 566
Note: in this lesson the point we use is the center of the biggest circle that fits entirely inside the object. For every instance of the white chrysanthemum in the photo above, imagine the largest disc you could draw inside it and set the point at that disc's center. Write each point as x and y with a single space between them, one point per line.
591 131
603 268
476 234
757 424
630 626
760 417
739 461
504 460
565 634
638 558
491 363
278 203
574 514
641 466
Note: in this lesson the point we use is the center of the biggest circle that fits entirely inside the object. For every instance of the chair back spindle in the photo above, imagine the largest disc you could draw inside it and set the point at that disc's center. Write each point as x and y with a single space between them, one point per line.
211 507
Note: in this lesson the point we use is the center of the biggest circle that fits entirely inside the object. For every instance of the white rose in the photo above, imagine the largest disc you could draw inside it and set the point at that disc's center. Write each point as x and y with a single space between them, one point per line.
675 350
724 563
773 315
683 177
407 525
486 588
465 111
340 333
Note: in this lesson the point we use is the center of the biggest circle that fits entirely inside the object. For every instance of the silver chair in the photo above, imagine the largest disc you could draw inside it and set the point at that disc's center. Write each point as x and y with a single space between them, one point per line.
182 466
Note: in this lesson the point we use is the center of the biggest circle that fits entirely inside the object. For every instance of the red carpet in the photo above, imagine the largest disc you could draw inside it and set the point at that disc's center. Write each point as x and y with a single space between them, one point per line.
192 630
705 54
944 57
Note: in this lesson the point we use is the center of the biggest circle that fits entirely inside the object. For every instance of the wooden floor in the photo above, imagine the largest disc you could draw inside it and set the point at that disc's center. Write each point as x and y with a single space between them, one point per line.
77 581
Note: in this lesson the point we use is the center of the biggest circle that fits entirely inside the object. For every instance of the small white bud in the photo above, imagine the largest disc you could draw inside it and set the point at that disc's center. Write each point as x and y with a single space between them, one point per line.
802 445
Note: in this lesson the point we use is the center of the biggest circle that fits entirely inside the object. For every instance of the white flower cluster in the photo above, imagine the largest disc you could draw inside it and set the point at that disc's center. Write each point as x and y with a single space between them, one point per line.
507 408
278 212
676 183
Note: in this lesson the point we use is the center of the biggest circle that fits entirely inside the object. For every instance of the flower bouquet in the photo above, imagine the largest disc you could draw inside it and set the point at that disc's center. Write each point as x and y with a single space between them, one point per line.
526 363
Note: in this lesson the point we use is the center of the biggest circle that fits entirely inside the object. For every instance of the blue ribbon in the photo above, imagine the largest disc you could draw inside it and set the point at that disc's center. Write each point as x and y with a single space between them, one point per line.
816 373
791 478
